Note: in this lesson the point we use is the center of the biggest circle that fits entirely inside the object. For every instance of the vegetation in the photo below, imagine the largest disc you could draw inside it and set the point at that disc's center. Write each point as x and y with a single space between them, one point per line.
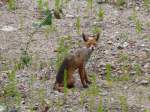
27 54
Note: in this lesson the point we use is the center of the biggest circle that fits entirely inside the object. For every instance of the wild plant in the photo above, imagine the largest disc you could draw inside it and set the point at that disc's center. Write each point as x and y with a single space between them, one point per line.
108 72
11 4
138 69
124 58
40 5
138 26
137 22
63 49
96 29
11 91
78 25
93 92
147 4
123 103
90 4
101 14
57 5
100 105
120 3
25 59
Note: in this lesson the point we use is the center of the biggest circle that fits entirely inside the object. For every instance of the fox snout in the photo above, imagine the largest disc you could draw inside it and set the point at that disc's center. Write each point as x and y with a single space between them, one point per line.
92 47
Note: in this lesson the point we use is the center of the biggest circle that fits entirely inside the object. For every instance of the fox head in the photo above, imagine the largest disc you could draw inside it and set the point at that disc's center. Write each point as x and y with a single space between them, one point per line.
91 41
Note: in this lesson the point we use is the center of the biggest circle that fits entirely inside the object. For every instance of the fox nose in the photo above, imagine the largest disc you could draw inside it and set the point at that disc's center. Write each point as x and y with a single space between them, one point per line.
92 47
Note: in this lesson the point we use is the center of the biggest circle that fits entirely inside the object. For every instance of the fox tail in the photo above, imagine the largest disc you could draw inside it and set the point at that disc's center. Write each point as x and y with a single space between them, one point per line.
60 74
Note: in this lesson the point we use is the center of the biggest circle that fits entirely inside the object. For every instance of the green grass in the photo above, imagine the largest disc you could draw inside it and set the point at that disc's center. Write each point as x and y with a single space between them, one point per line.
123 103
57 5
90 4
120 2
78 25
136 21
138 69
108 72
12 96
100 105
40 5
11 4
138 26
96 29
101 14
147 4
25 59
64 44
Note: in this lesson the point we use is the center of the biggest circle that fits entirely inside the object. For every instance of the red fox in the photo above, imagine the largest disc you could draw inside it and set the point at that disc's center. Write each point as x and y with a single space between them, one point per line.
76 61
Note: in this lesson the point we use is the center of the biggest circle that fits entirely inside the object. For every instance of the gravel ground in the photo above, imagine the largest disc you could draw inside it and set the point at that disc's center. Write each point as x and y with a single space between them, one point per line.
120 45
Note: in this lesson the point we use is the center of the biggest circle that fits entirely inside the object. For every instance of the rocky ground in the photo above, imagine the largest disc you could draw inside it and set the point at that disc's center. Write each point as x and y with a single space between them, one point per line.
119 68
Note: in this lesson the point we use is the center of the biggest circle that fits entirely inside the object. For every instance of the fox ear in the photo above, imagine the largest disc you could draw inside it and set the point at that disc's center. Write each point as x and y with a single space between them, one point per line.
84 37
97 36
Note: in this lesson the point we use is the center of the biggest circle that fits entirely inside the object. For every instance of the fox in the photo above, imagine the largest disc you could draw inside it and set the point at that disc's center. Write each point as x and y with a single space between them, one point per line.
74 61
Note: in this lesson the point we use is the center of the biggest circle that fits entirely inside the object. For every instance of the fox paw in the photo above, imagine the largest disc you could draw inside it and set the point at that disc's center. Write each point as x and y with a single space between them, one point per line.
89 82
85 86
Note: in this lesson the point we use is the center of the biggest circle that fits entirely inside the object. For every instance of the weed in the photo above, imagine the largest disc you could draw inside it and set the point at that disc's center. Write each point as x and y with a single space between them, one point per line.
147 110
138 69
57 5
78 25
25 59
10 89
63 49
11 4
147 4
120 2
124 58
90 4
96 29
148 24
108 72
137 22
40 5
94 90
138 26
101 14
123 103
41 94
49 29
100 105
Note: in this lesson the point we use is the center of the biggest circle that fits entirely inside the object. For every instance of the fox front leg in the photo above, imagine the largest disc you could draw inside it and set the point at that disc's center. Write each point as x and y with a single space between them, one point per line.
86 78
70 79
82 77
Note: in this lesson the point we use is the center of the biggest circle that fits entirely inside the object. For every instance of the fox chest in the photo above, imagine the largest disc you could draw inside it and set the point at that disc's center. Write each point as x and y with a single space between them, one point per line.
81 58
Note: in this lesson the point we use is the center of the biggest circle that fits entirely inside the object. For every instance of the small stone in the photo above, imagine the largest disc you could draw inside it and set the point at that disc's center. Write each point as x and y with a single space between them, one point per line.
8 28
69 16
147 65
2 108
109 42
143 82
125 44
137 8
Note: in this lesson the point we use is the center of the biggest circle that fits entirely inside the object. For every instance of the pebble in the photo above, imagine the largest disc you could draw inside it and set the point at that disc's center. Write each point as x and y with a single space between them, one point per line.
2 108
8 28
144 82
